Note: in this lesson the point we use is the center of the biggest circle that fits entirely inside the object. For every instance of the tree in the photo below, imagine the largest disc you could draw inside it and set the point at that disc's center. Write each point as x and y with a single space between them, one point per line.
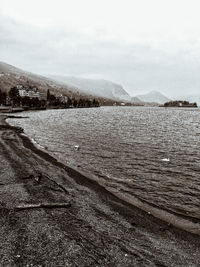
75 103
80 103
14 95
26 101
69 102
48 95
95 103
2 98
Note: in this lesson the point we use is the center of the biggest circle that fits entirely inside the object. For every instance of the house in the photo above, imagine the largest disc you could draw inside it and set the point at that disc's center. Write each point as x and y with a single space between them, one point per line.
31 92
19 87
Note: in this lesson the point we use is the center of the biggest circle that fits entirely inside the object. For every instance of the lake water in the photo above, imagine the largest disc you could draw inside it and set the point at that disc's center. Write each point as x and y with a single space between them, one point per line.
148 156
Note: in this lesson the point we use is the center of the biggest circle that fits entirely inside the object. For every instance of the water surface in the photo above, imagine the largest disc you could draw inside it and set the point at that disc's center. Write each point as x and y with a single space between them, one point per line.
125 147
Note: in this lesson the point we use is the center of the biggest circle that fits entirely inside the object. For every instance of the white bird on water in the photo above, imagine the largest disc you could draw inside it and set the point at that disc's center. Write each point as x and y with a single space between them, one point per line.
76 147
165 160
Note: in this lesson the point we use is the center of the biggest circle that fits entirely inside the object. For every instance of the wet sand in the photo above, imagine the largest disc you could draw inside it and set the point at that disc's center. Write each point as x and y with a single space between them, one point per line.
96 229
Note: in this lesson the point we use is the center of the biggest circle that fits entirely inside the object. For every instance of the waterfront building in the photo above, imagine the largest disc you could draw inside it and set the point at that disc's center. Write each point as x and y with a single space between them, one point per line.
31 92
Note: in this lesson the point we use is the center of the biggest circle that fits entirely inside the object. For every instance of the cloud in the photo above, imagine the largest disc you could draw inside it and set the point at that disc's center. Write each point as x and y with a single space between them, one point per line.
65 51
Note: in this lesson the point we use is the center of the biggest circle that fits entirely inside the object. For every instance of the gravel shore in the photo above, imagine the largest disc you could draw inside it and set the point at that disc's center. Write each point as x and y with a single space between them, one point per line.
91 227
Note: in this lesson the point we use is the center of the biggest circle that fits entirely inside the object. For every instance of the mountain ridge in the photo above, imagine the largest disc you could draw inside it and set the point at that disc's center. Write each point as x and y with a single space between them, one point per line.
98 87
78 87
11 76
153 97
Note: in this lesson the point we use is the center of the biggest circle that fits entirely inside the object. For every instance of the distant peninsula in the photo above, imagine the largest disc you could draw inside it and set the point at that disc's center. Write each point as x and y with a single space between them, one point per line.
180 104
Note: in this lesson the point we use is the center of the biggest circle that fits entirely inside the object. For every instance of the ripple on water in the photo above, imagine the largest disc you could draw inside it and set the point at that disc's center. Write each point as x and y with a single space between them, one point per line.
125 147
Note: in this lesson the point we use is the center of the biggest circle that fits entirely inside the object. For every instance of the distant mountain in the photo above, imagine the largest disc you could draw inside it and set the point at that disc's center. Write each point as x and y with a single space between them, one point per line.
191 98
153 97
101 88
136 100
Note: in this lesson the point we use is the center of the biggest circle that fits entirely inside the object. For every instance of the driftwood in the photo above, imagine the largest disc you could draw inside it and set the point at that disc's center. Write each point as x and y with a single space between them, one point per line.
58 184
43 205
40 176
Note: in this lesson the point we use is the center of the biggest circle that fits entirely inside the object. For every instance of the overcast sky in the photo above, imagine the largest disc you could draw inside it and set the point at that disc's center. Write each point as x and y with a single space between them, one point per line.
142 44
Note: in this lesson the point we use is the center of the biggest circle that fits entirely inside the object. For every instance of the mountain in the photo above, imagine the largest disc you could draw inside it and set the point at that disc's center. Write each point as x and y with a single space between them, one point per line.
11 76
100 87
153 97
106 91
191 98
136 100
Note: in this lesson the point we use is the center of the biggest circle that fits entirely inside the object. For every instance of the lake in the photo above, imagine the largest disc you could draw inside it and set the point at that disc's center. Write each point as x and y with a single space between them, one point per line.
150 156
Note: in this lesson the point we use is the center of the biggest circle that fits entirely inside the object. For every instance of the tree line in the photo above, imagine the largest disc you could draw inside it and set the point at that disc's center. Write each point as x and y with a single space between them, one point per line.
16 100
177 103
2 98
71 102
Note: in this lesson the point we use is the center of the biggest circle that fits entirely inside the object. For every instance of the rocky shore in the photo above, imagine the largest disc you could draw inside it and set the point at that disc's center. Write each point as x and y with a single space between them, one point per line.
52 215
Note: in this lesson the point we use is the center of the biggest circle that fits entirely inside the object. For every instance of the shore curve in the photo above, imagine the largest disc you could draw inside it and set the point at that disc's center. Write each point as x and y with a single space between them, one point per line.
98 229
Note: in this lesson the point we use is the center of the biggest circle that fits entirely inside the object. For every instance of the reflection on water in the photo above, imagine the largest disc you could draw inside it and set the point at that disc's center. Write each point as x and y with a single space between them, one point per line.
149 153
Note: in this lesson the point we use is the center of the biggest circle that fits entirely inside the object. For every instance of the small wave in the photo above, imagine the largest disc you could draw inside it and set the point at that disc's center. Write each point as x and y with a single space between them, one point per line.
172 219
143 157
33 141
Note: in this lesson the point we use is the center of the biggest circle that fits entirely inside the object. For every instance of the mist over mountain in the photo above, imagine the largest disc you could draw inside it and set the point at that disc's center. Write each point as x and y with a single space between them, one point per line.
11 76
157 97
153 97
136 100
80 87
100 87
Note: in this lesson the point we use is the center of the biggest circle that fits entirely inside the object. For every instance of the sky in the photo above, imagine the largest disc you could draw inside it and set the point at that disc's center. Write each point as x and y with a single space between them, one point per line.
143 45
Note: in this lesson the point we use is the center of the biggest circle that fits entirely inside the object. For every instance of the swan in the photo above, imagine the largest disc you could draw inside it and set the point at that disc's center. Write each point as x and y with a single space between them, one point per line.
165 159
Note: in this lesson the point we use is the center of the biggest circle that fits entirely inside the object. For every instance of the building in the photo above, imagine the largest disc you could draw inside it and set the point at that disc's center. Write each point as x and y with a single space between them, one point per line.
31 92
62 98
19 87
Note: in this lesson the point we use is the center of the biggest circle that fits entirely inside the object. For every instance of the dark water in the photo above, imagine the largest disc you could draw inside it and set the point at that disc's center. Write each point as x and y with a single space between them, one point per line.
126 149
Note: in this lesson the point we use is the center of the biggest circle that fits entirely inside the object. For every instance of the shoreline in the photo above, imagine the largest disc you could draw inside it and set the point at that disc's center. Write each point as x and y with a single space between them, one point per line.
96 219
177 220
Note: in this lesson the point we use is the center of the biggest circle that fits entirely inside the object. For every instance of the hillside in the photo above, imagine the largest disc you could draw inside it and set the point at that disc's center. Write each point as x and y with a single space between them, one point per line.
106 91
153 97
11 76
101 88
